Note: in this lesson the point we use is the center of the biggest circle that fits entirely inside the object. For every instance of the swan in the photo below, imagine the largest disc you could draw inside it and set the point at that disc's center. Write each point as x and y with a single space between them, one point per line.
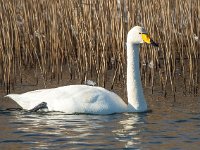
74 99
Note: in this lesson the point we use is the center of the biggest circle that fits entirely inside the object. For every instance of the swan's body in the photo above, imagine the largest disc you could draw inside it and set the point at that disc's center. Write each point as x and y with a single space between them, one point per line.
73 99
95 100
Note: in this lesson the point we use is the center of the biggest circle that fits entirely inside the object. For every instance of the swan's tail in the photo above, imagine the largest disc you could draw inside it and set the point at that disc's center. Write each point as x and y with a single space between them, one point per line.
14 97
23 101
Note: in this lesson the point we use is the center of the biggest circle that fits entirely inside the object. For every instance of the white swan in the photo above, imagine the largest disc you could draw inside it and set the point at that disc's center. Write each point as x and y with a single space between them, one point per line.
95 100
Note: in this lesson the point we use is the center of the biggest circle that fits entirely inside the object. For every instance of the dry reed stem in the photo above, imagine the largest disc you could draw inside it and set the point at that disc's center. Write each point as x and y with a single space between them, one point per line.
88 38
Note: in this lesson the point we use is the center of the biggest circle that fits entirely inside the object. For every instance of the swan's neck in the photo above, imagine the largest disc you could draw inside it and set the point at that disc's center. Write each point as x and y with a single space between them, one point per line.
134 87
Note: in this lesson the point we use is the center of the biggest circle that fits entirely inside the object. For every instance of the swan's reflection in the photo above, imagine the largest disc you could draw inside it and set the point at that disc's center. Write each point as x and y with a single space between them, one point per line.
57 122
119 130
130 130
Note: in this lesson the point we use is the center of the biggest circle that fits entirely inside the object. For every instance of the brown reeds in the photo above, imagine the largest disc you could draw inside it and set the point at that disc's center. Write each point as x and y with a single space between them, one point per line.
87 37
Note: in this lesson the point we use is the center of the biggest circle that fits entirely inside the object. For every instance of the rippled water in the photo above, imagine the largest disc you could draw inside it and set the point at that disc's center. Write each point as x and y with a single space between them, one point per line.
160 129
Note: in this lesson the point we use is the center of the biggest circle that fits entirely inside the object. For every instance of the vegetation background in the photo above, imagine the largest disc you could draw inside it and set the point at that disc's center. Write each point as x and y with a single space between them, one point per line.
86 39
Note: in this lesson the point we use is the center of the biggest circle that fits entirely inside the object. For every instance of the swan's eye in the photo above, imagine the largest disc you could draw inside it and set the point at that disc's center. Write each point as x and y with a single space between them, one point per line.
140 33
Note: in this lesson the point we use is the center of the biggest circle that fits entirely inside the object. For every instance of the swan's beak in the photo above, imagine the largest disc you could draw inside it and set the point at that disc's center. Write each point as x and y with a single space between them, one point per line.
146 38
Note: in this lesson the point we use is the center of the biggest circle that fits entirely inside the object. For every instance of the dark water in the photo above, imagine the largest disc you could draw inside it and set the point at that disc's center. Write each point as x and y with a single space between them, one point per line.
161 129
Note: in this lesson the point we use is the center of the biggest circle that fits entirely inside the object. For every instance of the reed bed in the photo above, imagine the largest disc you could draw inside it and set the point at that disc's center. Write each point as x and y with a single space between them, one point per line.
88 38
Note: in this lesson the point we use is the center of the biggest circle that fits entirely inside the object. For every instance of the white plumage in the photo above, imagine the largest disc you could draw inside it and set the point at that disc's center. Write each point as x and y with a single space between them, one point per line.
92 99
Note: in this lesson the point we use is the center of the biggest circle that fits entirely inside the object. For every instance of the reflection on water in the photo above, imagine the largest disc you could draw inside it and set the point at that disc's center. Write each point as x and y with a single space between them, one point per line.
129 131
56 130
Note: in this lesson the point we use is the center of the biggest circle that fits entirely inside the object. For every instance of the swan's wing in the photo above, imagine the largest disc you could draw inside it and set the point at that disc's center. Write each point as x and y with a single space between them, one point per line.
70 99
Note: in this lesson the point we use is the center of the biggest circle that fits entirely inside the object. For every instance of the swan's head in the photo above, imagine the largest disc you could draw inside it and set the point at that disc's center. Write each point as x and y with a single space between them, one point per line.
139 35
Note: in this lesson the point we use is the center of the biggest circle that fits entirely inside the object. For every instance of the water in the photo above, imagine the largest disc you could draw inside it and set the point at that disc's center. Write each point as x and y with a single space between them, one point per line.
163 128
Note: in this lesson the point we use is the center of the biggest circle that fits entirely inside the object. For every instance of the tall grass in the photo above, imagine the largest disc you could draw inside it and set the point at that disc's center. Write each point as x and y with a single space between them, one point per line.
87 37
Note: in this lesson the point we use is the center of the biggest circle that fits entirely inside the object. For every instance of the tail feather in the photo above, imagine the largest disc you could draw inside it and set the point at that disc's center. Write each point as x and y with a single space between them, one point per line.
24 101
15 97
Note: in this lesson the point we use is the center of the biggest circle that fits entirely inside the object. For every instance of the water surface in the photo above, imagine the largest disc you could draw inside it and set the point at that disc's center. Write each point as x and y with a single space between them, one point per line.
170 128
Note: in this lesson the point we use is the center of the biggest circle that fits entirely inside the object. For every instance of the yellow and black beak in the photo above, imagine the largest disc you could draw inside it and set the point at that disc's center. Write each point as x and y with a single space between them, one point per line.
146 38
